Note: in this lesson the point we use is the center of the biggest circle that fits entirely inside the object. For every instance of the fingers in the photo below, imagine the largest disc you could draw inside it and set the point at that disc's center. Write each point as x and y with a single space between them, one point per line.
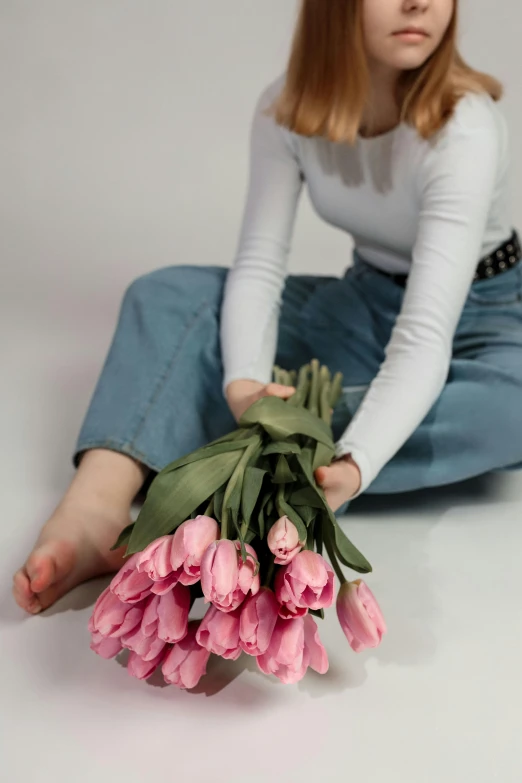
278 390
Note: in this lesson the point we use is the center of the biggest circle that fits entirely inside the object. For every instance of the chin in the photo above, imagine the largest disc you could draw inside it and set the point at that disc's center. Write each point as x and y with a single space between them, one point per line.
409 61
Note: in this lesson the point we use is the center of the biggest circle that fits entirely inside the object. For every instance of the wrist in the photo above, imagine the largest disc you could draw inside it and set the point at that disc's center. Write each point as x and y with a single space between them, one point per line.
241 388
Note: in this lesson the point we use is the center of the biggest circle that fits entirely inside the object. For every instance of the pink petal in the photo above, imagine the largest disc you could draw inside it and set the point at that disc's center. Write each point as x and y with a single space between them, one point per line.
141 669
186 662
173 612
147 647
372 607
155 559
318 656
106 648
225 570
149 623
129 585
219 633
257 622
165 585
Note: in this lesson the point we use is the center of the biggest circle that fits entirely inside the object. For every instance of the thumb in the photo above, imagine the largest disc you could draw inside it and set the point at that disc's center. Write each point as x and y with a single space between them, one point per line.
278 390
322 476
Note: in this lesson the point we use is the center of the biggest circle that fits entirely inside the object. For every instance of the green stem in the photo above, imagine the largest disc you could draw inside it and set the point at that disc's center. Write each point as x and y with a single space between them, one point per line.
236 476
210 508
299 398
336 389
313 400
331 554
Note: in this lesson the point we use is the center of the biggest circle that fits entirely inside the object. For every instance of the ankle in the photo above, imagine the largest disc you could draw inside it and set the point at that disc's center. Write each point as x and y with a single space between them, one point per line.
107 477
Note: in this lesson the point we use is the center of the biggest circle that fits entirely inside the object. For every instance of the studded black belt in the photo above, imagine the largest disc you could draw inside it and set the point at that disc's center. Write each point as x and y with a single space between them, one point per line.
505 257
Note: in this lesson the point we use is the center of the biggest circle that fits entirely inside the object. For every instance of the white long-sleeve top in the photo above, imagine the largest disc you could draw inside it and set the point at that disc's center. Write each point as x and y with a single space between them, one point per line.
430 209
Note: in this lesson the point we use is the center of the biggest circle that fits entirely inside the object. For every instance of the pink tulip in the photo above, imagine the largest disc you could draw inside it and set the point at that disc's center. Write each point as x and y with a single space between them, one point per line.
106 647
360 616
144 640
165 619
225 579
113 618
295 645
186 662
285 654
219 633
307 583
155 559
257 622
147 647
191 541
177 558
141 669
129 585
173 611
315 654
283 541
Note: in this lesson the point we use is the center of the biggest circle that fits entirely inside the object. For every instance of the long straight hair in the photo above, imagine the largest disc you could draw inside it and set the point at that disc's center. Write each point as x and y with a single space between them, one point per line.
327 80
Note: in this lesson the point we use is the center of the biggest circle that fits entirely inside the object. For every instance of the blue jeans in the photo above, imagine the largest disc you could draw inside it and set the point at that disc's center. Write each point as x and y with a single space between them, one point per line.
160 392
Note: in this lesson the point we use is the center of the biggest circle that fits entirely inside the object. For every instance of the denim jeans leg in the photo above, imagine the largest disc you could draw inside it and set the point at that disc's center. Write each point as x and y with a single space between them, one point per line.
160 394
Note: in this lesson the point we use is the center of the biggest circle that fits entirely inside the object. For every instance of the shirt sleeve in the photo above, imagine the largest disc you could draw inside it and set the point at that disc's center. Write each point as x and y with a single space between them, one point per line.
253 291
457 182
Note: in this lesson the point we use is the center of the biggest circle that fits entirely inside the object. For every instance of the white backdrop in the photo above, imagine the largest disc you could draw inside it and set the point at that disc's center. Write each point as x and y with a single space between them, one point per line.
124 134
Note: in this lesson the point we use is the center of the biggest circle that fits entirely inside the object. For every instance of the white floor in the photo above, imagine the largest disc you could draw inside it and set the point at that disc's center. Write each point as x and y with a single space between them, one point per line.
439 701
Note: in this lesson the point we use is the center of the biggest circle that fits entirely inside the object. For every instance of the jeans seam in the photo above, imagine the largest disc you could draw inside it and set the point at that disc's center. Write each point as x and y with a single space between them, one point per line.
166 373
112 444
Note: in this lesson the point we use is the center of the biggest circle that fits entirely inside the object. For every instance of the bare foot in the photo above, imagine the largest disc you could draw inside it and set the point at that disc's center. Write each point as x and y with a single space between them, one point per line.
73 546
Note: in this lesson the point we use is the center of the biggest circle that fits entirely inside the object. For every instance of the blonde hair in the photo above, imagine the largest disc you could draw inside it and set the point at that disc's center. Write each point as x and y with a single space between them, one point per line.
327 80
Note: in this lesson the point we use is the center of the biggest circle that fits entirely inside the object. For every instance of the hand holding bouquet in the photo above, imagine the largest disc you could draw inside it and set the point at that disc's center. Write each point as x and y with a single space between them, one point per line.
243 523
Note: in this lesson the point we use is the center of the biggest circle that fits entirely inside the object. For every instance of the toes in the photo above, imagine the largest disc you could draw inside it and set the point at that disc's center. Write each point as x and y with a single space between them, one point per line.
53 593
24 596
41 570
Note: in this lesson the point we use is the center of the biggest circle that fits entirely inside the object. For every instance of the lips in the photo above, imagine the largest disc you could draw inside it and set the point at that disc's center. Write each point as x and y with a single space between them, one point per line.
412 31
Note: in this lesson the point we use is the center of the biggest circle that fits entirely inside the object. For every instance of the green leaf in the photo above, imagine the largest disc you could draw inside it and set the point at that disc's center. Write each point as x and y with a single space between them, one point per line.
319 534
283 474
262 513
281 421
172 498
323 456
317 613
234 499
310 538
307 458
250 536
347 553
307 513
304 460
219 496
282 447
238 444
124 537
284 509
306 497
252 485
261 522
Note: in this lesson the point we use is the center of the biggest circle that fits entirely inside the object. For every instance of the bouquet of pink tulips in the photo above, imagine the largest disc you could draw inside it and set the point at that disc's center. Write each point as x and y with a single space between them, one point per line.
243 524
